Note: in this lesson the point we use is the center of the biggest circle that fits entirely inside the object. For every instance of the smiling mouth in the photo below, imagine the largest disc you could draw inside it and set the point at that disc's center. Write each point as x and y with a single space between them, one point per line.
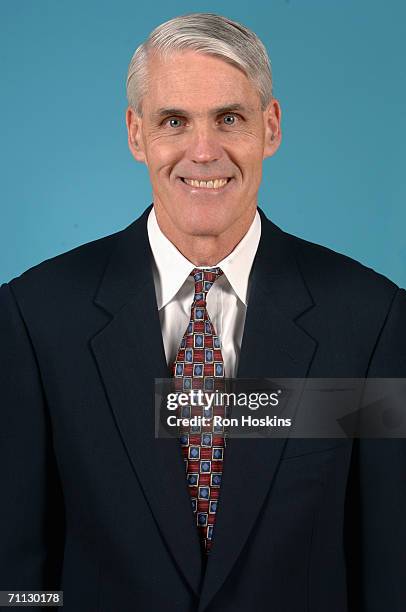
208 184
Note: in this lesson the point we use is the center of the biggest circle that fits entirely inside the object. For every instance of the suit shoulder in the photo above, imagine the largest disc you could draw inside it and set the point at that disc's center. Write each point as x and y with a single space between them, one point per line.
333 267
340 282
70 271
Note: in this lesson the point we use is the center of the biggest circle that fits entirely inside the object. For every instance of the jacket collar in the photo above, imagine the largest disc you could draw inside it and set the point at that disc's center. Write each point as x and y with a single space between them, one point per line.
129 353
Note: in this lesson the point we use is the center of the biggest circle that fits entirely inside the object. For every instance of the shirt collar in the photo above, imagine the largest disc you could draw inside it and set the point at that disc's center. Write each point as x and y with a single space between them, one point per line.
172 268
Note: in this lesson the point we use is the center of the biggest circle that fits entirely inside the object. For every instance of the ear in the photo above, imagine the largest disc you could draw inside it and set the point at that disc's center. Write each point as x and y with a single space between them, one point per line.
273 134
135 140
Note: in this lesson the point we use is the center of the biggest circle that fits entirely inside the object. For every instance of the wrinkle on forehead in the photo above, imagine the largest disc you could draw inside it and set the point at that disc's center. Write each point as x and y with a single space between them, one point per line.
194 81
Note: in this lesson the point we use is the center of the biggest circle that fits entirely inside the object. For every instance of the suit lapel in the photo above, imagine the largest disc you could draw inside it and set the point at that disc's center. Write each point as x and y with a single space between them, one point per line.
273 346
130 354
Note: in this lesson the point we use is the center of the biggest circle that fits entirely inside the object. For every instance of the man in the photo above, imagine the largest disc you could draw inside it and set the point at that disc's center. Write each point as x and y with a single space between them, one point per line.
95 505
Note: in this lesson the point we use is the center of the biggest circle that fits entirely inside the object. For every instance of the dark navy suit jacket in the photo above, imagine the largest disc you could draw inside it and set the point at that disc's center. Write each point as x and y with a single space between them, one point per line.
92 503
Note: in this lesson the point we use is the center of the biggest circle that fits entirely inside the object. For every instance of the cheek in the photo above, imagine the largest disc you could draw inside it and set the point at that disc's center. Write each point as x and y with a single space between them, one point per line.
165 152
248 154
251 165
254 152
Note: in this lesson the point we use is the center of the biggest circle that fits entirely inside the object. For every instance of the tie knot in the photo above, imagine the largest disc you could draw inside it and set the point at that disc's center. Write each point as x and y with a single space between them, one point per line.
204 279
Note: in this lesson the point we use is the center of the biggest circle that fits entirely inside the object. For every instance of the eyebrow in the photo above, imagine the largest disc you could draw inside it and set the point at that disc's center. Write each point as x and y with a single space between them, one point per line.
165 112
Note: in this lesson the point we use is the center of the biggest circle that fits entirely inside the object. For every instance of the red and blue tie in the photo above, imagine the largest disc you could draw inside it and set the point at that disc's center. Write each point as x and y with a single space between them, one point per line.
199 365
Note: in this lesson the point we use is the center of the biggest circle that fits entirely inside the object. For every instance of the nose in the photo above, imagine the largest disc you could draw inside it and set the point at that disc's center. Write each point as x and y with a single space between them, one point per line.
204 146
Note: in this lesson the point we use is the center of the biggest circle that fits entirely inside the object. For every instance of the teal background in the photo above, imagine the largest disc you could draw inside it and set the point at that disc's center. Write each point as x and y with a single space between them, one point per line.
339 73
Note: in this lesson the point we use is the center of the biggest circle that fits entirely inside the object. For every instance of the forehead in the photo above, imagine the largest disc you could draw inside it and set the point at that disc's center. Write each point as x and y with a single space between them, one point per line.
193 80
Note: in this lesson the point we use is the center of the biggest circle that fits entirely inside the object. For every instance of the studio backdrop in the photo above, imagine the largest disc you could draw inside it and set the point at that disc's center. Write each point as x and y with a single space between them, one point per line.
339 74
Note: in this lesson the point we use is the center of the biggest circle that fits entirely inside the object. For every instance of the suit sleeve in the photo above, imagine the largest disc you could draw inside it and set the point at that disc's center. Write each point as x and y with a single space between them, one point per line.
381 467
31 508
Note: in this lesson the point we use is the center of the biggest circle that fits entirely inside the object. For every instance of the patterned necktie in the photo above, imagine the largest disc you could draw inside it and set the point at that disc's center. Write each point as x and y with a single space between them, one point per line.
199 365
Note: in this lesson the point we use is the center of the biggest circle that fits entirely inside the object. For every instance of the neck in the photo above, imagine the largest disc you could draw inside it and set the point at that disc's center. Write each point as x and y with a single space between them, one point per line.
205 250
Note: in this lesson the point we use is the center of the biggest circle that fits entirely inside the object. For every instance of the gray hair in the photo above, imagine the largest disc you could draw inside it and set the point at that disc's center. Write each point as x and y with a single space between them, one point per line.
205 33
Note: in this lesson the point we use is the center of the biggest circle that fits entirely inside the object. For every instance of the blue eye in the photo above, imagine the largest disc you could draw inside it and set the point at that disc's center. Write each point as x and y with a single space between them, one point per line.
229 119
175 123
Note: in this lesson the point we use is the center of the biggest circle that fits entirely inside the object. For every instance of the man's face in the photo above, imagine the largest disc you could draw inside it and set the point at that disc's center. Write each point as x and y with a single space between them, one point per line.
203 137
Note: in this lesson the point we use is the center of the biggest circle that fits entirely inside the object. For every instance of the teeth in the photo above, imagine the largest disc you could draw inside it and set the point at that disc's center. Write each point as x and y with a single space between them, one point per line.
206 184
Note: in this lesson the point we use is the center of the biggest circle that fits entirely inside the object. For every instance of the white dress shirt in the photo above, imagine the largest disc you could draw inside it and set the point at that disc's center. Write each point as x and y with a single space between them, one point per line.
226 301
